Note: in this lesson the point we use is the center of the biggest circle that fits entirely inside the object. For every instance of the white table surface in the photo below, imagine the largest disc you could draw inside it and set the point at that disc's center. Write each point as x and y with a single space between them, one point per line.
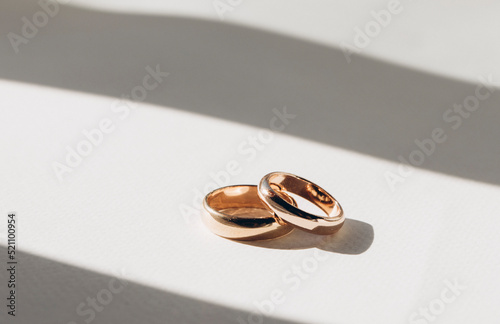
119 213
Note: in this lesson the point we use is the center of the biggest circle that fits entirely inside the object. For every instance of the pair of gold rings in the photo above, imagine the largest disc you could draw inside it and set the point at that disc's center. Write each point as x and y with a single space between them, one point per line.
269 210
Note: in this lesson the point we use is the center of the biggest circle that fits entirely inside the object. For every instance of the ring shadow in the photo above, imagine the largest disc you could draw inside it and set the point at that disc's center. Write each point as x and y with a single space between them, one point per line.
355 237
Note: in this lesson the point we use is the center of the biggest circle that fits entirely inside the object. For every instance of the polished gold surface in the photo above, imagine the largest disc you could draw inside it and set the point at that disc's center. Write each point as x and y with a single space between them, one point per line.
274 190
237 212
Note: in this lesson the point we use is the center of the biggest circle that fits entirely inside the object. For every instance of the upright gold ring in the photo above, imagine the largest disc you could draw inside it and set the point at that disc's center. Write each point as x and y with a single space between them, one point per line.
274 189
236 212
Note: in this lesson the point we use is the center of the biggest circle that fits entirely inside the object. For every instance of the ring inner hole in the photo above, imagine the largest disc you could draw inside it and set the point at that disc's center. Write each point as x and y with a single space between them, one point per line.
308 196
241 202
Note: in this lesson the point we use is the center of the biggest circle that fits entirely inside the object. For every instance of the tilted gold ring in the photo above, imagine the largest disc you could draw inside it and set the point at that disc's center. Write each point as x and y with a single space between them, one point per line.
274 190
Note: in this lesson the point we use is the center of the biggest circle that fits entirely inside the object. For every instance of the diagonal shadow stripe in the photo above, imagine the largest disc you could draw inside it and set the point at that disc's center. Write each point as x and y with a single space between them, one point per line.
49 292
240 74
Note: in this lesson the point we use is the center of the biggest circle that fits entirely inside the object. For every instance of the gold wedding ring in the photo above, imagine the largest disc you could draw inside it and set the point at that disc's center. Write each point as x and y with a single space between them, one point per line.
274 190
236 212
269 210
